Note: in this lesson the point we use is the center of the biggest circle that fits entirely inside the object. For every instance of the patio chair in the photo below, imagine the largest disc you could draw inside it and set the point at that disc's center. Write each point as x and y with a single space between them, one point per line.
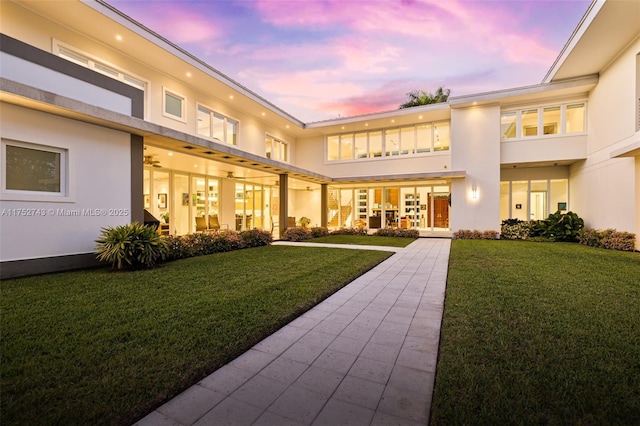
214 224
201 224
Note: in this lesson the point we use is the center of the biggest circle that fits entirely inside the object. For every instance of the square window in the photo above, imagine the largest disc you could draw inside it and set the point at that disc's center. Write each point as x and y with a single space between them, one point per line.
174 105
34 168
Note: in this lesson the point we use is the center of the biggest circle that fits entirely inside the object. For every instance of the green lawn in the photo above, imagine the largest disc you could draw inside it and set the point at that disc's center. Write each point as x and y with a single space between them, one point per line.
539 333
100 347
370 240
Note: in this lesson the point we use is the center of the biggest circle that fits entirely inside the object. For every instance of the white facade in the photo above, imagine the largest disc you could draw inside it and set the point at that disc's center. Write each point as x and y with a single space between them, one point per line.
142 124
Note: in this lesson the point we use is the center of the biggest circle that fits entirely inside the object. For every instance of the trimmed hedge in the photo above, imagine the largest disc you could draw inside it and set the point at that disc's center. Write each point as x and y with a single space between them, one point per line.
190 245
465 234
296 234
349 231
398 232
607 239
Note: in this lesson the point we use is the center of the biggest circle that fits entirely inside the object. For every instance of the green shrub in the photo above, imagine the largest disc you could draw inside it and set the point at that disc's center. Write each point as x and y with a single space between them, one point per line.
296 234
559 227
515 229
349 231
132 246
397 232
490 234
190 245
608 239
256 237
465 234
319 231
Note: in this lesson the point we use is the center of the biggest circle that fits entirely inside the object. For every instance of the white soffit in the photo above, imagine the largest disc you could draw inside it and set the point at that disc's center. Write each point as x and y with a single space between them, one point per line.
607 28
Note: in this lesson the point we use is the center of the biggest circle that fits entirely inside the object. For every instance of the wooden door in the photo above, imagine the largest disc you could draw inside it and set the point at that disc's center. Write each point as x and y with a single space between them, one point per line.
441 212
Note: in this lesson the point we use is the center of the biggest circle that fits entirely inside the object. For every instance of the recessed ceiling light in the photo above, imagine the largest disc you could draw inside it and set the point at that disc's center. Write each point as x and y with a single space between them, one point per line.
287 126
366 124
195 165
263 114
419 117
118 37
393 121
170 154
342 127
188 74
230 96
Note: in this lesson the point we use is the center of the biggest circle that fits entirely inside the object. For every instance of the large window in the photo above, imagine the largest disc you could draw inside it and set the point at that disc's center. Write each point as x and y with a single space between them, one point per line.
393 142
533 199
214 125
30 168
542 121
276 149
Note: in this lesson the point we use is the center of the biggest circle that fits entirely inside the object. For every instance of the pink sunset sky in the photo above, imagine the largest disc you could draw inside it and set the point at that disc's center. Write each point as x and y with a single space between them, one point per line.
323 59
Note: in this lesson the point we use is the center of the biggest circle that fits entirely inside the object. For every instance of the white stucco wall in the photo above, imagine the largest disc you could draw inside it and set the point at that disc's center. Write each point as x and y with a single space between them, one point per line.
604 190
475 146
99 164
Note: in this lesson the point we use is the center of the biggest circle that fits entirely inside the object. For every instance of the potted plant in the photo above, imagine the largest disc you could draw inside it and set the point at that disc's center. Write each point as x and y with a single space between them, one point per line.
304 222
165 217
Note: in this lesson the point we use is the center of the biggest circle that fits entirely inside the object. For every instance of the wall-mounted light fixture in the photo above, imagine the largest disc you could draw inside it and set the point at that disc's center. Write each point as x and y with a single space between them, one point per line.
474 192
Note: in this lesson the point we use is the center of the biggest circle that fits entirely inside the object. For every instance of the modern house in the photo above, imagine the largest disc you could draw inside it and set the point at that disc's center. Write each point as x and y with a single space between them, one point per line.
102 119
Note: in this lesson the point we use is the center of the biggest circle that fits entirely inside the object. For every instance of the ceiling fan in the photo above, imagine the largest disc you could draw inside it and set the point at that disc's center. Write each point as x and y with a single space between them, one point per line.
149 161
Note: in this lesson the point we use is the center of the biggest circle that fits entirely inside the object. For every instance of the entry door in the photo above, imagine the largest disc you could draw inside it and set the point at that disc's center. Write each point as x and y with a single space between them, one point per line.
441 212
538 205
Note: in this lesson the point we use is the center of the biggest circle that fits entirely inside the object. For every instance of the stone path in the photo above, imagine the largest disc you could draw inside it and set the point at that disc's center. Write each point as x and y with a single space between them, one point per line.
364 356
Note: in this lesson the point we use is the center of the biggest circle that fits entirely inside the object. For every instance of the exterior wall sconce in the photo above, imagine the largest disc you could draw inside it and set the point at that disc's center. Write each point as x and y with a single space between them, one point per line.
474 192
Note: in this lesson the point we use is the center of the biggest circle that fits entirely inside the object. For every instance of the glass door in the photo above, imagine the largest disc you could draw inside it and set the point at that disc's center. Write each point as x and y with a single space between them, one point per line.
180 217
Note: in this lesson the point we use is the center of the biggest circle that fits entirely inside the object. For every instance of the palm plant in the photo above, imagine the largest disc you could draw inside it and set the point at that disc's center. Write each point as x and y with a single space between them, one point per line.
420 97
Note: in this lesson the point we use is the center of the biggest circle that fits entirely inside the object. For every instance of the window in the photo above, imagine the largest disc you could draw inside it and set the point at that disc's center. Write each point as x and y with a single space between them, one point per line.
174 105
393 142
575 118
360 145
346 147
95 64
34 168
441 136
548 120
508 125
217 126
530 122
277 149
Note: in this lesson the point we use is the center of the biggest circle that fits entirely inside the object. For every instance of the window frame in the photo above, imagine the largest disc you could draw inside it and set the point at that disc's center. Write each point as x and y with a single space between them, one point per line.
401 149
561 128
28 195
284 144
225 125
183 106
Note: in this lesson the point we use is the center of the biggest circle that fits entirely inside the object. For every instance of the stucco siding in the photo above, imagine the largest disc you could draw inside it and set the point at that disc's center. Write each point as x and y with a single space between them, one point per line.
99 180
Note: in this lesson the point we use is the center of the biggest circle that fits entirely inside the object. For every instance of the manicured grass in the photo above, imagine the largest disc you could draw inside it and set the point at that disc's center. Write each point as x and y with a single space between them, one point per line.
370 240
539 333
100 347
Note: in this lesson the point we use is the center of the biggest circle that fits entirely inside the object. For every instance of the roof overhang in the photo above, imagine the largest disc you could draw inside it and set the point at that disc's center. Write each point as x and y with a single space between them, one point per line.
630 147
576 86
606 28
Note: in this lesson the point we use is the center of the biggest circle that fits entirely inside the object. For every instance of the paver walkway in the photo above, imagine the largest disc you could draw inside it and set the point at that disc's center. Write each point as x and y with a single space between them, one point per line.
364 356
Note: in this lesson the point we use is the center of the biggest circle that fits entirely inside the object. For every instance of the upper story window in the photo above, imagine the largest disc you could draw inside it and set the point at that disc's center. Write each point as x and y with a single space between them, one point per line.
97 65
399 141
217 126
276 149
33 169
173 105
548 120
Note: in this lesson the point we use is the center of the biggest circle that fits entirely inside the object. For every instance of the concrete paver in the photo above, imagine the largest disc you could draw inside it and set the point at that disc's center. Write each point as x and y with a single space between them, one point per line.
364 356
